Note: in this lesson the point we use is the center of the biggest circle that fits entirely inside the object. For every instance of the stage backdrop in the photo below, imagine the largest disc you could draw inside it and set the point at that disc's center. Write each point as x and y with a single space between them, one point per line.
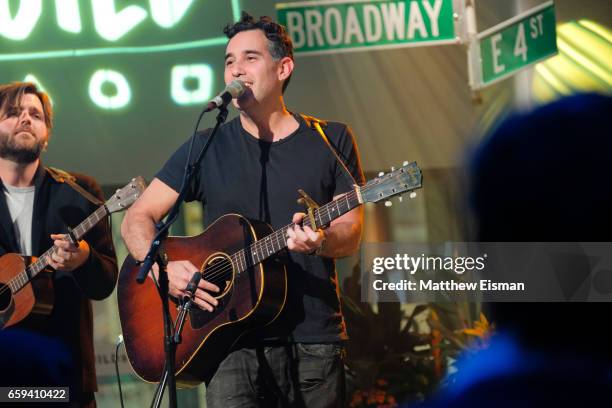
128 78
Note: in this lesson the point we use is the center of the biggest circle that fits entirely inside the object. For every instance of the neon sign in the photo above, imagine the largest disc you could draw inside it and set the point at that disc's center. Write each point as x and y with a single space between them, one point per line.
110 22
98 36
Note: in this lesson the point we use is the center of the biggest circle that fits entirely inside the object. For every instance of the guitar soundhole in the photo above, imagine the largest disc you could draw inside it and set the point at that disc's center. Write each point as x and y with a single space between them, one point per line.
5 296
220 271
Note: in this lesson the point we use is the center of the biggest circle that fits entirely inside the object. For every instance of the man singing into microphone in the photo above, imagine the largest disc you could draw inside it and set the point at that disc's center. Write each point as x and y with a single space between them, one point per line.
254 167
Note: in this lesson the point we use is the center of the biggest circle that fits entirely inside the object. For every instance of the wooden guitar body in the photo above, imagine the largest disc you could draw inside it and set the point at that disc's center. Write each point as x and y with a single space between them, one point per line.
250 297
36 297
27 287
238 256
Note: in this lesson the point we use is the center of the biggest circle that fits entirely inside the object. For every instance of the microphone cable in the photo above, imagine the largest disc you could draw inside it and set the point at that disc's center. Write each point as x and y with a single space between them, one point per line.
119 343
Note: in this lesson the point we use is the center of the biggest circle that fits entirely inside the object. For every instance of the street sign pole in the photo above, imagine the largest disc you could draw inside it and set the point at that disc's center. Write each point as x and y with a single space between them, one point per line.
473 50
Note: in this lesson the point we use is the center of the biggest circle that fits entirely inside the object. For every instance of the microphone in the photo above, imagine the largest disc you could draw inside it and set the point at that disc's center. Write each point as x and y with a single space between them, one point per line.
233 90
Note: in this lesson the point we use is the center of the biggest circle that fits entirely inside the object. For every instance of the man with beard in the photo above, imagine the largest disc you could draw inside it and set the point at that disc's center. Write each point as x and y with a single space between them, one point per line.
37 207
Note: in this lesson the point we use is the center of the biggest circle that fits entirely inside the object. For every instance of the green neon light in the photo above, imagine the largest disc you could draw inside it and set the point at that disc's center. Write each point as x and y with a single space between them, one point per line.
68 15
202 73
87 52
236 9
111 24
210 42
35 81
123 93
19 27
167 13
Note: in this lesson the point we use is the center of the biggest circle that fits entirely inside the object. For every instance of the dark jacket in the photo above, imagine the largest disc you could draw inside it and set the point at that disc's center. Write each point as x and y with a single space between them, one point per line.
58 206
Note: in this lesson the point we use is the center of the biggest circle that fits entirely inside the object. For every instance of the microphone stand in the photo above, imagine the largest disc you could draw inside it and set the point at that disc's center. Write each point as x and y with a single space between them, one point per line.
156 254
186 304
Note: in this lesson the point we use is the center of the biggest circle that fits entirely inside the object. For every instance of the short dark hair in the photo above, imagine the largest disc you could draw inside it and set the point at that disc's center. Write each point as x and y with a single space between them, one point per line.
11 94
279 42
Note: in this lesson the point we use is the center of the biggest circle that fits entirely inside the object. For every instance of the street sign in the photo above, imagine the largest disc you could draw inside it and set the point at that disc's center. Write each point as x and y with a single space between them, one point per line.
517 43
332 26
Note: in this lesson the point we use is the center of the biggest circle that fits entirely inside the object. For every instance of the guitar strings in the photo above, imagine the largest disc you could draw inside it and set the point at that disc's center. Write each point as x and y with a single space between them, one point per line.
221 271
15 278
92 220
214 273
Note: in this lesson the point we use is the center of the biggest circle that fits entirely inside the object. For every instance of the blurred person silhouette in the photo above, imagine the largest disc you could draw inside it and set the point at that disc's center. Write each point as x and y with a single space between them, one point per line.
542 176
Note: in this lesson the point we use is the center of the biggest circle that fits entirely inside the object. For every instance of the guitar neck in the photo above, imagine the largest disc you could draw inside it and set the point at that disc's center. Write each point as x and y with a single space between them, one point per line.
276 241
22 278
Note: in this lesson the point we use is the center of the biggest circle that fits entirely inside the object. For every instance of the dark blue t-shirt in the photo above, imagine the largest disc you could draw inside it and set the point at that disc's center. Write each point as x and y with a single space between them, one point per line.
259 180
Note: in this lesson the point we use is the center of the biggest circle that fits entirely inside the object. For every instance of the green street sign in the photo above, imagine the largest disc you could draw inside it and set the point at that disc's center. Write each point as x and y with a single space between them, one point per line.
331 26
517 43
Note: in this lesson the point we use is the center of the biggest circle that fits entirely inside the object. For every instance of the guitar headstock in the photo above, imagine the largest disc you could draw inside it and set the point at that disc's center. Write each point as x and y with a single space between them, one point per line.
399 181
125 197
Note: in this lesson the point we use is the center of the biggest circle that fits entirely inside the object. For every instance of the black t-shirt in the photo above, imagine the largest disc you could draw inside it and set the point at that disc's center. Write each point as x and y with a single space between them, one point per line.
244 175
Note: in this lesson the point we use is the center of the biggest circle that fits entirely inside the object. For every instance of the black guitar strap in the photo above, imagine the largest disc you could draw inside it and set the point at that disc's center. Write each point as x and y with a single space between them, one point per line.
318 124
62 176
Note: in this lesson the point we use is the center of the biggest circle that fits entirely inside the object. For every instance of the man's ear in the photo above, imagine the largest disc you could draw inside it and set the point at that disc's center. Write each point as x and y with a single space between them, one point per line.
46 144
285 68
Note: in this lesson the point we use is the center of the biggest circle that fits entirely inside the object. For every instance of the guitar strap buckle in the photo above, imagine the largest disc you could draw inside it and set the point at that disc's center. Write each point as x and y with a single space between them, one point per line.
311 205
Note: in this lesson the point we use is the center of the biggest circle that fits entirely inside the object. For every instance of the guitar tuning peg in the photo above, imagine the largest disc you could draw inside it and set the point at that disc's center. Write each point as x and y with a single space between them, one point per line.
405 163
400 199
382 173
392 168
412 195
388 203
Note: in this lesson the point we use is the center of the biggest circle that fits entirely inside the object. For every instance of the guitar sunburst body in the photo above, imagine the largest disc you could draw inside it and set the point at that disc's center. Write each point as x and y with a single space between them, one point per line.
252 295
238 256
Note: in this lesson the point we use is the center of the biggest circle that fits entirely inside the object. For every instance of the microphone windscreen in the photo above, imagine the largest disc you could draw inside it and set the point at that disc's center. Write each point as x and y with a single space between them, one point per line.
236 88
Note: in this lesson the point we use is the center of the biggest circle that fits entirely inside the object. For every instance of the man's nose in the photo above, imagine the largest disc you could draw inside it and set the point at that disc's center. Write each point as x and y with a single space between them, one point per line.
237 70
25 117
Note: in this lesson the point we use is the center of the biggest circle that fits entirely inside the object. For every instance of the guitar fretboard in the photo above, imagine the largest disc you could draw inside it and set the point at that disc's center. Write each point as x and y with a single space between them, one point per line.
23 277
276 241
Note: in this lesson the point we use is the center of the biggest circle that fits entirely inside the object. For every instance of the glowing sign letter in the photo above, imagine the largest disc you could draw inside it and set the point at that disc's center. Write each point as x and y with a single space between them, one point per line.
202 73
112 25
20 27
68 15
35 81
122 95
166 13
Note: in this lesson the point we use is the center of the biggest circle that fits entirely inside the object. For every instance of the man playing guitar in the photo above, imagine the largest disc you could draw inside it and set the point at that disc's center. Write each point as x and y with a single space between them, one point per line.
37 206
254 167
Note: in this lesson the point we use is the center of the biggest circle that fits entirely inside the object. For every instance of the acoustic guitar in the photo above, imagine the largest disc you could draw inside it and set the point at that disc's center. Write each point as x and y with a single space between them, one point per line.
236 254
26 289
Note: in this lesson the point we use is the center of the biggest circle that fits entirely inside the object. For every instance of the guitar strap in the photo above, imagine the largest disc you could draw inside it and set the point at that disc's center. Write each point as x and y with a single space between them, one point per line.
62 176
318 124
